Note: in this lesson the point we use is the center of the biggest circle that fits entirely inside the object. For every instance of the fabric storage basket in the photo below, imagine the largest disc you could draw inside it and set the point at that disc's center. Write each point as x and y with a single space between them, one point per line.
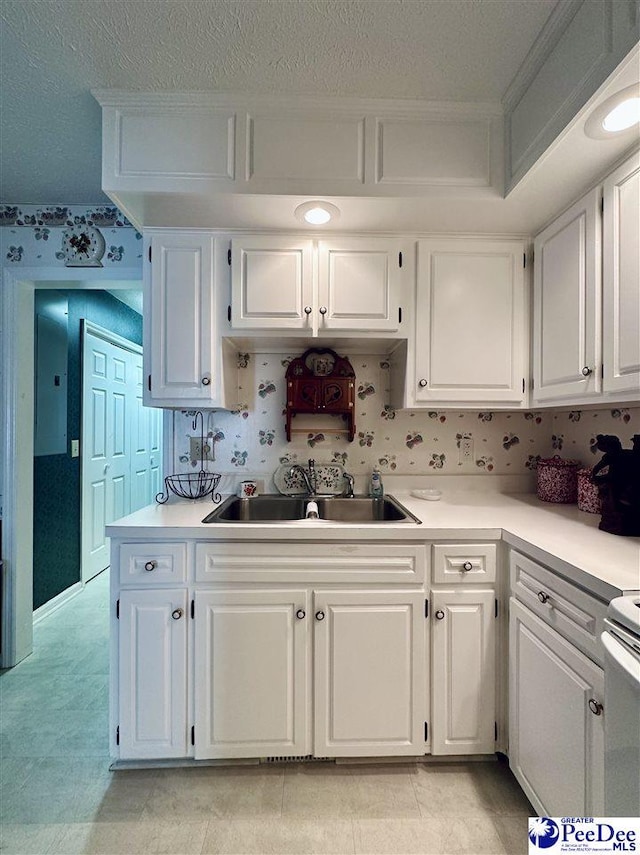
558 480
588 495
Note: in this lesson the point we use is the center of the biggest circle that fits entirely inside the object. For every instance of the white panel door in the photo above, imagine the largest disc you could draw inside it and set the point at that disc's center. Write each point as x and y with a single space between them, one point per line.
272 284
566 304
182 317
146 453
106 435
621 278
369 677
358 284
470 321
556 721
152 715
463 644
251 673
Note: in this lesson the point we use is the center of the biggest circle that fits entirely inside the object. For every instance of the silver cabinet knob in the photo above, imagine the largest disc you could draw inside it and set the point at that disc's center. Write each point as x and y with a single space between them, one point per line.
206 381
323 310
422 383
439 614
320 615
595 706
176 614
586 371
301 614
543 597
150 565
467 565
307 310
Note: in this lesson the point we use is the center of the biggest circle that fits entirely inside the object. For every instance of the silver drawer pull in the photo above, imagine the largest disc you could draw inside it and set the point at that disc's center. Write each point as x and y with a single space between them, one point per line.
422 383
467 566
595 706
307 310
586 371
301 614
176 614
544 598
439 614
206 381
150 565
320 615
323 310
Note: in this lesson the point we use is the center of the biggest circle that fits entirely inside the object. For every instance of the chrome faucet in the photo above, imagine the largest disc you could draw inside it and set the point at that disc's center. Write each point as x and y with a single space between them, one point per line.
310 487
313 478
348 491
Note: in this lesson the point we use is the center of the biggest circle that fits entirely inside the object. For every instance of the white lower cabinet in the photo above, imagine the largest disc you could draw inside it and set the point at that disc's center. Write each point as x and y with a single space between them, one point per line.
556 719
463 674
369 673
251 673
152 675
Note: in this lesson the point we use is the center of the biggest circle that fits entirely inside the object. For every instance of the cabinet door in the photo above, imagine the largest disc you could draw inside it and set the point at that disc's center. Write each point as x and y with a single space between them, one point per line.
251 673
463 647
556 739
470 322
566 304
272 284
152 649
369 656
179 301
621 278
358 285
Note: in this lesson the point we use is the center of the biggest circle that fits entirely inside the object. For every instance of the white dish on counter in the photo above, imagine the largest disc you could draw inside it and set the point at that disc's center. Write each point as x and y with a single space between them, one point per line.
427 495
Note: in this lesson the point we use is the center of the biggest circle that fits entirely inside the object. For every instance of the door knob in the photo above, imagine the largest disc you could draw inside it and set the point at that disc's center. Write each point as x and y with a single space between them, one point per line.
320 615
206 381
467 566
176 614
301 614
150 565
439 614
422 383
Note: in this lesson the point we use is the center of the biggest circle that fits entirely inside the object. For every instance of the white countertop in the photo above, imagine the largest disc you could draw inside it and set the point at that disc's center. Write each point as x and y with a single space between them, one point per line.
562 537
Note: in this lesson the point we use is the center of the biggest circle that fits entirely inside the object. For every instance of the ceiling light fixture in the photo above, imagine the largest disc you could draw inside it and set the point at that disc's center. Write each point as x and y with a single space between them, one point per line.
317 213
618 115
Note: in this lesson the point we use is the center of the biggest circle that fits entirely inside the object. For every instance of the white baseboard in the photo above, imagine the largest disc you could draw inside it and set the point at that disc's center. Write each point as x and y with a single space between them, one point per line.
52 605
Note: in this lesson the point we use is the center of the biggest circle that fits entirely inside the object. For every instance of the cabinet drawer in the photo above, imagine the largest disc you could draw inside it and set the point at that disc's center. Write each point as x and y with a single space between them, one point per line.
290 562
573 613
153 563
464 562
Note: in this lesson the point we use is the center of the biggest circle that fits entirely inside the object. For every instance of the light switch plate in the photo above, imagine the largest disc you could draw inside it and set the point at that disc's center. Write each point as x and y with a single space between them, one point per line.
75 448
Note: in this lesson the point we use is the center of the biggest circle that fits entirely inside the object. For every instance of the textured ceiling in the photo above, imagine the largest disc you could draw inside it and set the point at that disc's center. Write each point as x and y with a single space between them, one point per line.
52 52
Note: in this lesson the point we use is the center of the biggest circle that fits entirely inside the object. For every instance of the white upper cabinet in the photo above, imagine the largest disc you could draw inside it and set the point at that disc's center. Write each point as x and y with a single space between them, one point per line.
566 304
272 284
282 284
621 278
470 323
186 362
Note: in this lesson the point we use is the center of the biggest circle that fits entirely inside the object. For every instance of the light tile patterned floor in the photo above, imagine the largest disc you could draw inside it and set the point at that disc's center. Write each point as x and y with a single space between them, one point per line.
58 795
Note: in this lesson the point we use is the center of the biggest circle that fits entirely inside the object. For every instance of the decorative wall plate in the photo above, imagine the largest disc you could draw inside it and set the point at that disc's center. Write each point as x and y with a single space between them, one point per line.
329 480
83 246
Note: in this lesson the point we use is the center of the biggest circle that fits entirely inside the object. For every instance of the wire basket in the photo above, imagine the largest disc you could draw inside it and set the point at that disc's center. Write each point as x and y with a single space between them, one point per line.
194 485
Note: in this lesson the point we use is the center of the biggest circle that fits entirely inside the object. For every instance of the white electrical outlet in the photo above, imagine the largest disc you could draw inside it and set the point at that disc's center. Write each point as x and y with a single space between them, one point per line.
466 449
195 450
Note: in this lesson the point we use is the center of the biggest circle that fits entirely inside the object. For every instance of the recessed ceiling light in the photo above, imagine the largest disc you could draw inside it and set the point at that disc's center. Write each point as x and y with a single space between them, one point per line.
623 116
317 213
618 115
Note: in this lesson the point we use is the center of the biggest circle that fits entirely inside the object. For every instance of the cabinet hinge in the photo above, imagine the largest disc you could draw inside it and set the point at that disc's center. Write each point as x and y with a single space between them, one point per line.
399 314
149 253
426 608
523 385
602 205
118 735
193 608
117 609
495 730
602 371
524 259
229 313
193 735
149 382
426 731
399 259
229 257
496 607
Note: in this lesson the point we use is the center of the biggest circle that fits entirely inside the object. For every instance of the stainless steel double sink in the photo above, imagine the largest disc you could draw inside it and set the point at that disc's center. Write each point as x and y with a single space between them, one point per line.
336 509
